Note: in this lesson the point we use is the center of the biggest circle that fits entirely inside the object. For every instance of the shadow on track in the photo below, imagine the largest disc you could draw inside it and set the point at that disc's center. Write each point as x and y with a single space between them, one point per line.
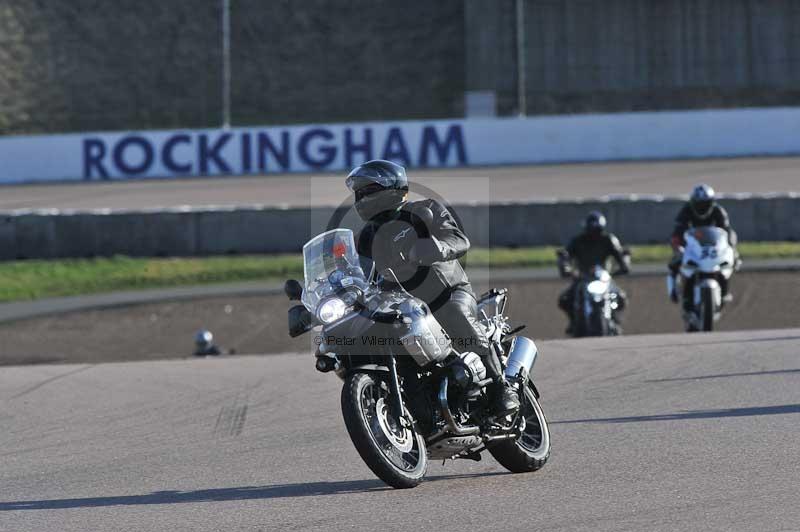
309 489
697 339
726 375
694 414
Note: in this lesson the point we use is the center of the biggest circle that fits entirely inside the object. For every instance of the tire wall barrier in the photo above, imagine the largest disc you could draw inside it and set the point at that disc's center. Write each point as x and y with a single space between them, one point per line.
252 230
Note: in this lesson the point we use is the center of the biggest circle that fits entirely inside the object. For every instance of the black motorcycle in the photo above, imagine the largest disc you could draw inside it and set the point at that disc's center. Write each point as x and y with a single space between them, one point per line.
597 303
408 396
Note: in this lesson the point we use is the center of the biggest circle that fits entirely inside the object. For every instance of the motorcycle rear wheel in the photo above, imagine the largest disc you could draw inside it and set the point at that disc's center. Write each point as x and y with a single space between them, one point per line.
531 450
397 455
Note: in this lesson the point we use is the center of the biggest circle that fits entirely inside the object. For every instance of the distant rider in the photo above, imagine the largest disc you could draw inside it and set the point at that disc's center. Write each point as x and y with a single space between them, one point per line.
381 200
204 344
702 210
593 247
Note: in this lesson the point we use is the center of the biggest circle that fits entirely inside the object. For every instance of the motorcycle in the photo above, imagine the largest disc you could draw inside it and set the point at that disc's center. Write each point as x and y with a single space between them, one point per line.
707 264
408 395
598 302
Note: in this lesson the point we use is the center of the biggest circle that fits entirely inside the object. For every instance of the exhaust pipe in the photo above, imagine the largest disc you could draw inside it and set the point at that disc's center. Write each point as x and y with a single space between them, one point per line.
521 357
453 426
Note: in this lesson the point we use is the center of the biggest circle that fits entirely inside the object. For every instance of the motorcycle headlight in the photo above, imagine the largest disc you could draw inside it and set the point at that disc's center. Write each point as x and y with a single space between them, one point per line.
596 288
331 310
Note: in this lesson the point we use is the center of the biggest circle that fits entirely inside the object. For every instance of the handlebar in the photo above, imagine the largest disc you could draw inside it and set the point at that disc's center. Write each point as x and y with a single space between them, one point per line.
564 268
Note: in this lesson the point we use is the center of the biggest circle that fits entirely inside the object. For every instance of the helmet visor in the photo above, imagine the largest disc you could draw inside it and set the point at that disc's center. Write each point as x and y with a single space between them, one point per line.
702 207
368 190
382 203
595 228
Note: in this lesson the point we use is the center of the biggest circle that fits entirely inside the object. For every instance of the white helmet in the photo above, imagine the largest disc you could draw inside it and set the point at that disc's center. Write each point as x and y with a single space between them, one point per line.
702 200
203 339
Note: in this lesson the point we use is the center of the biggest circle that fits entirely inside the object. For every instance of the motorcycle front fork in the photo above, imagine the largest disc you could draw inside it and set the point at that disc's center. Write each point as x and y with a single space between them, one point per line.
394 388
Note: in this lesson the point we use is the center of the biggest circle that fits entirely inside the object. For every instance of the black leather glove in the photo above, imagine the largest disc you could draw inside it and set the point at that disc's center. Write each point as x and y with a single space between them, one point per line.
426 251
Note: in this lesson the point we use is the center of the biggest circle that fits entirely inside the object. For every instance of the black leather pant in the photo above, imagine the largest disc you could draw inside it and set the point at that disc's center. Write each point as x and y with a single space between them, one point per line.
459 317
567 298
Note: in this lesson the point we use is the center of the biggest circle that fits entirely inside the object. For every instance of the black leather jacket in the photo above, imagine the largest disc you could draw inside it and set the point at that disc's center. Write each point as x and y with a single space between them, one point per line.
687 218
589 251
428 270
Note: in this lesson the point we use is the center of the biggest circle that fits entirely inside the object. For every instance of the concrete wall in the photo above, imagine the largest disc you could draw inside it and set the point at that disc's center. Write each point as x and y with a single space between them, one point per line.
346 60
270 230
629 55
83 65
88 65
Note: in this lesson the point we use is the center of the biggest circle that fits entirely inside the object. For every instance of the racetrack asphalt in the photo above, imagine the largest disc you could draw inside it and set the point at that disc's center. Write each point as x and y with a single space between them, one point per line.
459 185
650 433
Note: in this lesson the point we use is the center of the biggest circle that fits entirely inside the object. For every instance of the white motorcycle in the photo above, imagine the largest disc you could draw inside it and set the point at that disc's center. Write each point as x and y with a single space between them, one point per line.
707 264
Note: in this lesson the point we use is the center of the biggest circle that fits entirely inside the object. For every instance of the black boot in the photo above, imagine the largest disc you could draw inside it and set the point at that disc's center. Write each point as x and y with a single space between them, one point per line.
672 287
506 398
688 296
570 330
727 297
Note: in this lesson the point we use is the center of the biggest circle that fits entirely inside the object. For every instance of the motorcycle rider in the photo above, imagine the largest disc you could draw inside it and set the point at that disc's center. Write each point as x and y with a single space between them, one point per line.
204 344
702 210
591 248
430 270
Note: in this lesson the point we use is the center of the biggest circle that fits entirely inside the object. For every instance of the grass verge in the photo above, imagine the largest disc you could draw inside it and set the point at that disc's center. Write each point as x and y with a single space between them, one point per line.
34 279
649 254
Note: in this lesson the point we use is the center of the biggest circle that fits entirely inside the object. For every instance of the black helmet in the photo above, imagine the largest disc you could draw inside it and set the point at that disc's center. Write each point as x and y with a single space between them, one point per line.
380 188
702 200
595 223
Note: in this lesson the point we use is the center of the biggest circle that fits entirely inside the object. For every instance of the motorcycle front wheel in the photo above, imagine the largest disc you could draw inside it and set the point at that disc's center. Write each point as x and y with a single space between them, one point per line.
531 450
395 453
597 325
707 309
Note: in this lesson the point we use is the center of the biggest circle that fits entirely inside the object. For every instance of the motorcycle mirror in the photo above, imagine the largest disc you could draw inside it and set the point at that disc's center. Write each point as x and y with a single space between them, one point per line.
293 290
300 320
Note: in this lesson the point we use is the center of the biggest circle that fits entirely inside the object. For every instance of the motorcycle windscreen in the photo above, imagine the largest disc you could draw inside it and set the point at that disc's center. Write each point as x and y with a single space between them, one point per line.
330 265
708 236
